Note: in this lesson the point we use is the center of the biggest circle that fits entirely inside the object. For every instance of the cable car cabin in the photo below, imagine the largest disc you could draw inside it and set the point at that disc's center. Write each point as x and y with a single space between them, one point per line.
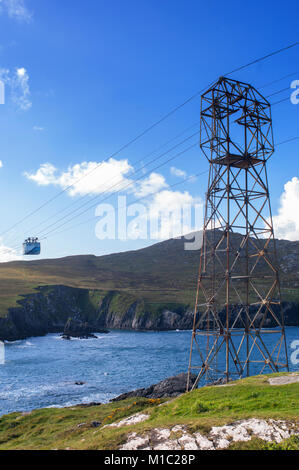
31 246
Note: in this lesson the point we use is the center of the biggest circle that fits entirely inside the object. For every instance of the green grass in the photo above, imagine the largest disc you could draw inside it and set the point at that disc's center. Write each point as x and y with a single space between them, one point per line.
292 295
247 398
258 444
198 410
61 428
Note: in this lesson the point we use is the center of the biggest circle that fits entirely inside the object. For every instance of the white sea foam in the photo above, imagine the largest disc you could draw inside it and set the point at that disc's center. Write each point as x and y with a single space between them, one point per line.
93 398
26 344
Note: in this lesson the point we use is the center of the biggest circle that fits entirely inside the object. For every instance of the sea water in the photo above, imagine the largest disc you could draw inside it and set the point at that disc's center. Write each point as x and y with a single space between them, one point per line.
42 372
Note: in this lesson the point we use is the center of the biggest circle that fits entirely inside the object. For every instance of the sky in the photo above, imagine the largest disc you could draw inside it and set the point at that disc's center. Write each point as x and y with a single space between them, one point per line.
82 79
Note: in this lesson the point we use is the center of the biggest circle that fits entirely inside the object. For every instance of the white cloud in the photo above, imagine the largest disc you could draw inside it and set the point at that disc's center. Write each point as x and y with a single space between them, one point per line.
18 82
182 174
97 178
21 72
8 254
44 176
1 163
38 128
85 177
286 222
16 9
155 182
177 172
169 213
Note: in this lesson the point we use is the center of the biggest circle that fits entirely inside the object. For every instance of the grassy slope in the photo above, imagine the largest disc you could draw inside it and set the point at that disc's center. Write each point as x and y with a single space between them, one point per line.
160 274
198 410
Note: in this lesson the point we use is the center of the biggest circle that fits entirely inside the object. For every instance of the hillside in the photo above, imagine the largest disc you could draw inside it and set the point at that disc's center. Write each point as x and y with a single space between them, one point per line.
153 280
254 413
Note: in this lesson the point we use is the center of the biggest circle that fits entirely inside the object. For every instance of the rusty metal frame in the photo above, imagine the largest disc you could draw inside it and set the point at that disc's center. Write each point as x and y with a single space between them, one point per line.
241 280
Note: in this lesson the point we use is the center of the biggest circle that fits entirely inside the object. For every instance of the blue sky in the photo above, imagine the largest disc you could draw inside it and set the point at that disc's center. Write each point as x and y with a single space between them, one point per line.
83 78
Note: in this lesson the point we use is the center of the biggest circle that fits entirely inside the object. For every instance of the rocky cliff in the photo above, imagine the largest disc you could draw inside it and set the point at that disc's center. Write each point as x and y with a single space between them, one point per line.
45 311
48 310
140 317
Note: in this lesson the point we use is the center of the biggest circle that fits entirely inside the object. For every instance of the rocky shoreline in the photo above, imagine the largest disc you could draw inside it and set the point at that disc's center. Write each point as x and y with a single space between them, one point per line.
167 388
50 308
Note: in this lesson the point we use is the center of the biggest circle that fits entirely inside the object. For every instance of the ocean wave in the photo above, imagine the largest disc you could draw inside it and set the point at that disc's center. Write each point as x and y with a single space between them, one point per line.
92 398
37 390
11 343
27 344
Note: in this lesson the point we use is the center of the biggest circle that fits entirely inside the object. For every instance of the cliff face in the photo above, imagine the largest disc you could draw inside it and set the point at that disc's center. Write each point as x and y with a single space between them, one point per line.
133 320
138 317
44 312
47 311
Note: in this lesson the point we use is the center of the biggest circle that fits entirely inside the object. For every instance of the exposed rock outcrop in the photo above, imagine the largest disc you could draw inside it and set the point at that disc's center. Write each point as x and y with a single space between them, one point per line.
170 320
220 437
137 316
80 329
171 387
134 419
134 320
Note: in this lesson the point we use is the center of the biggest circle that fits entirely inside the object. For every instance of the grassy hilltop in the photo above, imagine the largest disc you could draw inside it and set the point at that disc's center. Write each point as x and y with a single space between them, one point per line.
82 427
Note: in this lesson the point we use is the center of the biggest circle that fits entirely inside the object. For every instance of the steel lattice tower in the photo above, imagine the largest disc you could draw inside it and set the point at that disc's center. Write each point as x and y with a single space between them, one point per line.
238 292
